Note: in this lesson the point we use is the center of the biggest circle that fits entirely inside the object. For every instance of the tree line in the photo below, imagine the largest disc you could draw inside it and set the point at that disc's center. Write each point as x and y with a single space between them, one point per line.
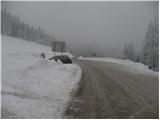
150 49
11 25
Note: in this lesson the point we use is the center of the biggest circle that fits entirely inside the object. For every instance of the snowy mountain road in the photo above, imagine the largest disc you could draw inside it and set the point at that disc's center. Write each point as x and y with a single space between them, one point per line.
108 91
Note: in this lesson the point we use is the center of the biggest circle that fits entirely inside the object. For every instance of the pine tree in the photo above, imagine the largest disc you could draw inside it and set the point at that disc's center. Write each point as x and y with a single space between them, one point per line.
150 52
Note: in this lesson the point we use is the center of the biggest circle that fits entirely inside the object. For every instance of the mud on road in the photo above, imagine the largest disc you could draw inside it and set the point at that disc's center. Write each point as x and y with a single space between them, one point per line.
107 91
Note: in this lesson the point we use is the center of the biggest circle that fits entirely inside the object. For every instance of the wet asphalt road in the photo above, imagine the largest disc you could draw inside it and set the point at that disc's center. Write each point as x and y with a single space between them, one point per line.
108 91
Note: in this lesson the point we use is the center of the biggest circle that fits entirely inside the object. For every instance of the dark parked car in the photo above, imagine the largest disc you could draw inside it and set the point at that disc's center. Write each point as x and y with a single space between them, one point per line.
62 58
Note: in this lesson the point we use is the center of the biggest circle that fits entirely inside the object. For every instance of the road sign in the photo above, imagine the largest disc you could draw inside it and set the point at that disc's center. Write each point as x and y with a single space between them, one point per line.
58 46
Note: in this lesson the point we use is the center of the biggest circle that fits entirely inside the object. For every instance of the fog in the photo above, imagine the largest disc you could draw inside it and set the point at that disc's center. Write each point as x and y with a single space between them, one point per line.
89 27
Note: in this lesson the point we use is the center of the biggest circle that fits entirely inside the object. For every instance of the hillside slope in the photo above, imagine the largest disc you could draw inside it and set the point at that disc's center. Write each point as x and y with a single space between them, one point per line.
33 87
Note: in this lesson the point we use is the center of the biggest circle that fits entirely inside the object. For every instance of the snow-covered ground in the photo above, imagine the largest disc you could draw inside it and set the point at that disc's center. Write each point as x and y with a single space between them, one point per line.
33 87
127 65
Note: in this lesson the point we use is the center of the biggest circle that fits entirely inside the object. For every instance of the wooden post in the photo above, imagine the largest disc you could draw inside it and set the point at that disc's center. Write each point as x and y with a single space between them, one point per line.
55 49
52 46
62 48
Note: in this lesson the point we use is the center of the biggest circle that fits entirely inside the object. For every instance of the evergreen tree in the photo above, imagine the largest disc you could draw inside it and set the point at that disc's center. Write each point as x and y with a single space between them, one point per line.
150 52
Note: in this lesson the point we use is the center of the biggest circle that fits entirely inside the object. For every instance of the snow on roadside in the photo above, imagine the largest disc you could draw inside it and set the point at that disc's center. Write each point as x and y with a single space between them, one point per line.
127 64
33 87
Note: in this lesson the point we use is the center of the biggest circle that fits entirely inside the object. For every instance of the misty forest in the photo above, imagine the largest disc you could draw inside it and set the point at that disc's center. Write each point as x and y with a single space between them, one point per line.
13 26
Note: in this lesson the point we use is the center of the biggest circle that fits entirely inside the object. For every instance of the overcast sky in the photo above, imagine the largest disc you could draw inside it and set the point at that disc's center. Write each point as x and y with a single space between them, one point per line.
87 27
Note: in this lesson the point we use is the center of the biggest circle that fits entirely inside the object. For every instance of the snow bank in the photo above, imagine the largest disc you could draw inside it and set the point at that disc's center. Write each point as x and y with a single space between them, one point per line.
127 65
33 87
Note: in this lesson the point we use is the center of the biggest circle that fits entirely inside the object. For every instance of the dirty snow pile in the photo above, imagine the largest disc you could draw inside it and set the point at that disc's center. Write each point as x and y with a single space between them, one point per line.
127 64
33 87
